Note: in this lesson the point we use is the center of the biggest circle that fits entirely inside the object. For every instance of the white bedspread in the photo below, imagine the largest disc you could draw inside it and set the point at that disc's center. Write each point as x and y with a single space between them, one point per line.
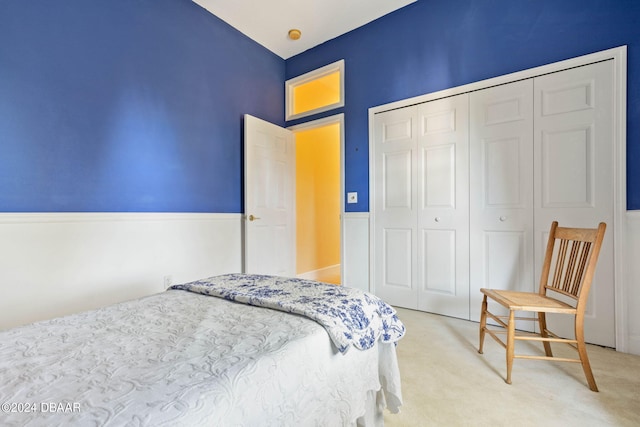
183 359
350 316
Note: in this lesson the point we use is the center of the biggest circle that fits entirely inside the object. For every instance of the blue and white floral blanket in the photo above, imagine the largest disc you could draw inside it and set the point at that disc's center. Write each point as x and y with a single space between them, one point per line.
349 315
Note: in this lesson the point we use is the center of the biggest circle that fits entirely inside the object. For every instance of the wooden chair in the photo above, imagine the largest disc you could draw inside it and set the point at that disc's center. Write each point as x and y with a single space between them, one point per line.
572 253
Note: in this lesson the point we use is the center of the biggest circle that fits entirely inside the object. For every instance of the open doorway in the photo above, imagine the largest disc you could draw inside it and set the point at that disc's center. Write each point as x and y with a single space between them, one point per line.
319 189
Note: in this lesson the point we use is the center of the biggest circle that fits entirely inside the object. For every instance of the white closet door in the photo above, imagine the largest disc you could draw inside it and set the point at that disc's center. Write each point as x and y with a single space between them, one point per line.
443 206
574 169
501 191
395 210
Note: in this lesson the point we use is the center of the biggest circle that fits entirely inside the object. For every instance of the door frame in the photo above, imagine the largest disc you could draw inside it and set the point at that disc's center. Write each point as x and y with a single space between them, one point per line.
325 121
619 57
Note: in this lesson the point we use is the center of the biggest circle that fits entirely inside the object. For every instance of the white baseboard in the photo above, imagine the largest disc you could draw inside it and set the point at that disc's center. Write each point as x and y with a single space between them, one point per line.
53 264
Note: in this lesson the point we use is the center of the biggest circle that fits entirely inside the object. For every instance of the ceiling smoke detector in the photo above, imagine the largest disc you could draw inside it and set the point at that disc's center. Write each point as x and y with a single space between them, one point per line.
294 34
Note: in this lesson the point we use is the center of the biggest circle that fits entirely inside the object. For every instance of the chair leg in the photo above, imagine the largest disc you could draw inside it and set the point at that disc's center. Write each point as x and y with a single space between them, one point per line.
582 351
542 321
511 333
483 323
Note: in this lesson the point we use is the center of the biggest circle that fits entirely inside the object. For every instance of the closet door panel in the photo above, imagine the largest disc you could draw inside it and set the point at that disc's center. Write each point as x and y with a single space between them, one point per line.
397 168
574 167
397 245
568 148
438 260
443 206
395 207
503 261
438 177
502 161
501 191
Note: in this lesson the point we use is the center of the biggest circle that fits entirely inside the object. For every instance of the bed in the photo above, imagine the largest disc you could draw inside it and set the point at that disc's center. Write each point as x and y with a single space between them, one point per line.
232 350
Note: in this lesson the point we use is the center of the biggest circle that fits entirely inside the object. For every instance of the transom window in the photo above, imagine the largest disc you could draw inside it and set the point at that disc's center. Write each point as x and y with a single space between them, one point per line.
316 91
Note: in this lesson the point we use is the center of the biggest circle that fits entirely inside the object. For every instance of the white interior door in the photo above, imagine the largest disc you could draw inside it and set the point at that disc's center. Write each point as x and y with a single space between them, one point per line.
501 191
574 168
269 198
394 199
443 206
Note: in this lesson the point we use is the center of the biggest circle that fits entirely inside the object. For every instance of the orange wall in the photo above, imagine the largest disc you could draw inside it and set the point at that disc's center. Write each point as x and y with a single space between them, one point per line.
318 198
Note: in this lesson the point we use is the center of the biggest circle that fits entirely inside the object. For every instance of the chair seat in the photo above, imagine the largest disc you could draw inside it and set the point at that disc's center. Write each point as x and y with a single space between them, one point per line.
528 301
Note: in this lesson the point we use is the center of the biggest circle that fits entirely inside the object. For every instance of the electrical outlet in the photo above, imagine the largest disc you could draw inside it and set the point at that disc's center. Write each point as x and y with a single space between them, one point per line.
352 197
168 281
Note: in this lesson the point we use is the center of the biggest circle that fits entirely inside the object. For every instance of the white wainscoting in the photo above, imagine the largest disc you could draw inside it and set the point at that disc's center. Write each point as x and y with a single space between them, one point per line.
53 264
631 303
355 250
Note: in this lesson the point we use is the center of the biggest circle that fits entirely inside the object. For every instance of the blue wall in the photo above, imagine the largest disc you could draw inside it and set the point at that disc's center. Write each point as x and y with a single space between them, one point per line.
136 105
123 105
432 45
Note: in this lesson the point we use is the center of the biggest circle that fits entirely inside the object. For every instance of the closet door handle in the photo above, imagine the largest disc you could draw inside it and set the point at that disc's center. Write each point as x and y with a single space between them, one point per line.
437 219
253 218
502 218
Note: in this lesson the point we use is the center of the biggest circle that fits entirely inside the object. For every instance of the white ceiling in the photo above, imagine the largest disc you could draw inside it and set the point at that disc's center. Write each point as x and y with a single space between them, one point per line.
269 21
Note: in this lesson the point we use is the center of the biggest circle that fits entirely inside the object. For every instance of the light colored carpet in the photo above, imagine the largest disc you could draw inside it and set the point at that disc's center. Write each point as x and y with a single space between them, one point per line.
446 382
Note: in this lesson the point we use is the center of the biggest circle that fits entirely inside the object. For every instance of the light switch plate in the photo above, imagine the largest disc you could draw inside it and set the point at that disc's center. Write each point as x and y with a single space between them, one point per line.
352 197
